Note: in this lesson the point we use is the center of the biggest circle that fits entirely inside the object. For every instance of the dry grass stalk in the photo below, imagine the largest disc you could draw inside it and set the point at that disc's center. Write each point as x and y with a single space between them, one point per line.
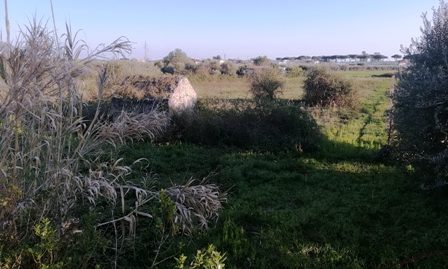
43 144
129 126
196 204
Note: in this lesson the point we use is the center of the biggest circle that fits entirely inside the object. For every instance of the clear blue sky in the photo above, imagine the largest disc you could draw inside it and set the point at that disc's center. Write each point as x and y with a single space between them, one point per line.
237 28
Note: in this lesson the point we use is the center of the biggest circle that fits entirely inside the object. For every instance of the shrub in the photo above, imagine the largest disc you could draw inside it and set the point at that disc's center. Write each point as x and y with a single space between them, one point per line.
208 258
228 69
294 71
202 71
206 69
261 60
266 84
420 98
191 68
325 89
168 70
158 64
213 67
242 71
273 126
177 60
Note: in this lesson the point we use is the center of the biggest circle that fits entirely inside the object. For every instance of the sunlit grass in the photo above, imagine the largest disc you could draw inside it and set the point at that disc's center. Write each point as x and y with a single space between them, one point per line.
234 87
336 208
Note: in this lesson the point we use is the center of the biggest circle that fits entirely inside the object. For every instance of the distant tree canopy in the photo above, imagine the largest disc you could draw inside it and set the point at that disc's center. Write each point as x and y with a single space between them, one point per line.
421 98
176 59
330 58
396 57
378 56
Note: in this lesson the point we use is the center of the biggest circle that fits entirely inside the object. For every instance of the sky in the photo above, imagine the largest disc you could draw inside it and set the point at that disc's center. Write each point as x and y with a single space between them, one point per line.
235 28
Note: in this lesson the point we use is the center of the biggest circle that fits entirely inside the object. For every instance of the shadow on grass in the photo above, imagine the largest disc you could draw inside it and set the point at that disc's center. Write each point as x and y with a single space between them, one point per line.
340 151
334 208
299 213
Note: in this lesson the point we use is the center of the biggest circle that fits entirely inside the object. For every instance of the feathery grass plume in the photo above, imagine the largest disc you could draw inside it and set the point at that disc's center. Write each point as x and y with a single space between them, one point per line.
196 204
43 146
131 126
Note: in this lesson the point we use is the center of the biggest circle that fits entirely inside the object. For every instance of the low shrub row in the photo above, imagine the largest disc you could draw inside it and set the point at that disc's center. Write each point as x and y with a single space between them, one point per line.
271 126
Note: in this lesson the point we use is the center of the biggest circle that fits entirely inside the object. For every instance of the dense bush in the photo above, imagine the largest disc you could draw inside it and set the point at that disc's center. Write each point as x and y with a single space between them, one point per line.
273 126
242 71
266 84
294 71
175 62
210 68
261 60
421 97
325 89
168 70
228 69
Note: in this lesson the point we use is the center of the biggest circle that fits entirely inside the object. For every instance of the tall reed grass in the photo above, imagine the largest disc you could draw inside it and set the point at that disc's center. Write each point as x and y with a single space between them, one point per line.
52 161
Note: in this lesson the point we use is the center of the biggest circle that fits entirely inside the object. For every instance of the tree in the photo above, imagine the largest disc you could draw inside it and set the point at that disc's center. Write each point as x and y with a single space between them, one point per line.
396 57
378 56
176 59
421 97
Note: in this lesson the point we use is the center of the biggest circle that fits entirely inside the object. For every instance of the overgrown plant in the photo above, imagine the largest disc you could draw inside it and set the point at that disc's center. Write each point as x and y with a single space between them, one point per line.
420 98
325 90
175 62
266 84
135 127
208 258
51 165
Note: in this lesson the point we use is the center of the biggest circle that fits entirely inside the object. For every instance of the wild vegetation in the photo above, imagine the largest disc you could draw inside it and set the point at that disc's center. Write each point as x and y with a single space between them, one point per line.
275 168
421 101
335 206
266 84
324 89
66 200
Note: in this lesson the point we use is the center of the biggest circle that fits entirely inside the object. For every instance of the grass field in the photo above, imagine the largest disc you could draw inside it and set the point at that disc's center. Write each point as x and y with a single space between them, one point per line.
234 87
336 208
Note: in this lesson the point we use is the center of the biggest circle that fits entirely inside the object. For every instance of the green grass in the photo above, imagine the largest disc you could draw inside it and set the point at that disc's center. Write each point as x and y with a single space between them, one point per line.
336 208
